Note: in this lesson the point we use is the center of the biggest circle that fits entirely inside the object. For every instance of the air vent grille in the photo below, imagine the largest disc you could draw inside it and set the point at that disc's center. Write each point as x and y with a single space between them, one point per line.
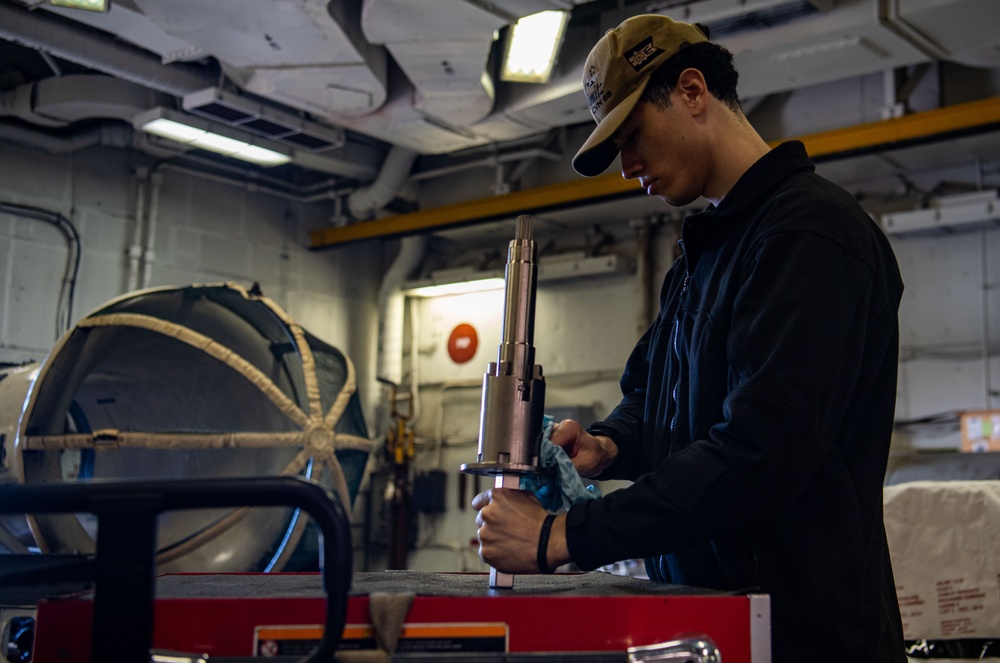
277 125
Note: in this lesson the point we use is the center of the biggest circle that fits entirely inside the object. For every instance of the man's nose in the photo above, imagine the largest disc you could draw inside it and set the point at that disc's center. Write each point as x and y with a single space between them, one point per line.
631 166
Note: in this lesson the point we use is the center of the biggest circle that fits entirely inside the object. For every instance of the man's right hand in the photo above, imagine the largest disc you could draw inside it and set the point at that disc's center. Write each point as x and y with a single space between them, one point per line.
591 454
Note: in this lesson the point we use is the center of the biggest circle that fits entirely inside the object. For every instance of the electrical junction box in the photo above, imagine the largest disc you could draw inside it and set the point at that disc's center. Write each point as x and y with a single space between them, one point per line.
429 491
981 430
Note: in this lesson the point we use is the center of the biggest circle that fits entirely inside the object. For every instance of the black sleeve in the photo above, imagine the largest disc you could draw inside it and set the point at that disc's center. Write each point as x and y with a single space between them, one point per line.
798 334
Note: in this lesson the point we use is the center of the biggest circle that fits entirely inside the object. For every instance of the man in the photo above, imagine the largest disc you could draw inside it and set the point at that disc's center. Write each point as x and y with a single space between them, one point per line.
757 409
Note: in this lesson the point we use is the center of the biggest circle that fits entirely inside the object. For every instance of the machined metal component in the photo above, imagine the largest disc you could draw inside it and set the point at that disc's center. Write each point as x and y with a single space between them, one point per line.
510 424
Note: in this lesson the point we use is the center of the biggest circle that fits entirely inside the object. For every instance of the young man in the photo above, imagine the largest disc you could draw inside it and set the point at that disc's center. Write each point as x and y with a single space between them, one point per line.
757 409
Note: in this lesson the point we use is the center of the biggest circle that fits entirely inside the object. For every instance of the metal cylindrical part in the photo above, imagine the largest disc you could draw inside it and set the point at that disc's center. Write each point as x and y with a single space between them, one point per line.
518 331
510 426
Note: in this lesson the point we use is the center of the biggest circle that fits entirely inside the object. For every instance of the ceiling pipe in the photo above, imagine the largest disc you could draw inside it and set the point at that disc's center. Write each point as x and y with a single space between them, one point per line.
364 202
487 162
392 312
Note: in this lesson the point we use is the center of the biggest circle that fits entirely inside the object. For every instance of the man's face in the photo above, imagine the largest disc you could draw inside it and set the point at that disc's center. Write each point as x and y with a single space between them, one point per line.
660 149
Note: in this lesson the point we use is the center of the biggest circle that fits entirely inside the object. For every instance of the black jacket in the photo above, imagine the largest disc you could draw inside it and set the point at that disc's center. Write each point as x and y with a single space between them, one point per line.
756 416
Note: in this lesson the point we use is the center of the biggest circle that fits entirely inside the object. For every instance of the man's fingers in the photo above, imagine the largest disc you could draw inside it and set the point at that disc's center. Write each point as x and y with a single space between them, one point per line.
482 499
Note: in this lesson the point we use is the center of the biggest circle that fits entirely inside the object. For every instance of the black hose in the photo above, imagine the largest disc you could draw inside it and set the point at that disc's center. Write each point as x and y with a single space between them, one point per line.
73 267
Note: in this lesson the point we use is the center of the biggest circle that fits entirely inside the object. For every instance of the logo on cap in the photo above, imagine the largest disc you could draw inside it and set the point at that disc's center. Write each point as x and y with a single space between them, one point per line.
640 55
594 89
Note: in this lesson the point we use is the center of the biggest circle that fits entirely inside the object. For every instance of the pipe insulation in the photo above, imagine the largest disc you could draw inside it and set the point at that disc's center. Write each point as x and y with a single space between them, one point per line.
364 202
392 307
56 36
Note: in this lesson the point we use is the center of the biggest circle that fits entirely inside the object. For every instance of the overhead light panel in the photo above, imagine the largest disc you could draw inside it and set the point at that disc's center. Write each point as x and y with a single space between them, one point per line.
455 282
87 5
550 268
532 47
198 133
266 121
947 214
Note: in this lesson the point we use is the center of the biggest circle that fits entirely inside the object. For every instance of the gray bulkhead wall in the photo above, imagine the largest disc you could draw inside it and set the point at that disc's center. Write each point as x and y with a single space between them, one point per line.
205 231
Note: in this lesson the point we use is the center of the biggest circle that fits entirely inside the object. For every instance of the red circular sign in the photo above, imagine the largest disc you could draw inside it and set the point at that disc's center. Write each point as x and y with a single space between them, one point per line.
462 343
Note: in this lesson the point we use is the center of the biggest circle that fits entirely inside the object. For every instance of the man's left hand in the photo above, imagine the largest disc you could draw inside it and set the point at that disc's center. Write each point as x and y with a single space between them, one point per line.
509 523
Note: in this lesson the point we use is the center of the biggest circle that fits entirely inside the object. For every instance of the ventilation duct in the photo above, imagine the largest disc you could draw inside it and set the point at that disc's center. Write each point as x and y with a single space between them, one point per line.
270 123
60 101
322 58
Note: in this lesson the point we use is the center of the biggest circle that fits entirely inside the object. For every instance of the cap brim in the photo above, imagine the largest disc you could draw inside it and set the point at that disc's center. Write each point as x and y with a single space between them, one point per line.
599 150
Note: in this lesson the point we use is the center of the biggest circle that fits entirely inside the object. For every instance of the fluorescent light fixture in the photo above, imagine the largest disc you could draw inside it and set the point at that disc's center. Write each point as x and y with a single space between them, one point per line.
201 134
88 5
550 268
459 281
458 288
532 47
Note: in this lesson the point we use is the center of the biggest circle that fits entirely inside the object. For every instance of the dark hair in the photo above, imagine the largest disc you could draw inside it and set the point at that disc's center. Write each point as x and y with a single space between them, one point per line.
714 61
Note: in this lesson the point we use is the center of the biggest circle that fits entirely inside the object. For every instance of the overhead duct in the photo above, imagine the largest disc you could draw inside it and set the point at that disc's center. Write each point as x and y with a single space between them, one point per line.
442 47
63 100
395 169
319 57
58 37
308 54
108 134
51 34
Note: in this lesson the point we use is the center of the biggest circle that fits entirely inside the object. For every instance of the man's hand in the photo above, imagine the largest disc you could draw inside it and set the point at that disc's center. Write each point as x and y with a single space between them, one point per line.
591 454
510 522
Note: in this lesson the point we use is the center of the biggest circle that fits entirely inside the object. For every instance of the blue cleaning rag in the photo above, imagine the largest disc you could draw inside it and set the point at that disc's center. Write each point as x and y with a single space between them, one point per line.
562 488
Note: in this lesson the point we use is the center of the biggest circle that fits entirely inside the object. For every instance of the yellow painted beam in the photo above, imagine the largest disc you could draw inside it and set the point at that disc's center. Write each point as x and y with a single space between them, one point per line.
518 202
828 144
918 126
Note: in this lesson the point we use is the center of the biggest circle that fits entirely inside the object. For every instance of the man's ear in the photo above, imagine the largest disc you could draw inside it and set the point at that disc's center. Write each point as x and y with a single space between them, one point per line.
692 89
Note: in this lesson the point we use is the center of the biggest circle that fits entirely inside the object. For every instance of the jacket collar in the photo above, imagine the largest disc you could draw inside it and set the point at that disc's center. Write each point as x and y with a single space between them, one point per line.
710 227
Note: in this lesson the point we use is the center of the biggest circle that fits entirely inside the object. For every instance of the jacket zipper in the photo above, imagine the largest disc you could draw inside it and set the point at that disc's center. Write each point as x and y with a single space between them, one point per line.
675 392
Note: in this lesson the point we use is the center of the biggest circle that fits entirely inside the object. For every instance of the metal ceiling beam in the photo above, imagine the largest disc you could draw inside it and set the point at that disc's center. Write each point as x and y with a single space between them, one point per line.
899 132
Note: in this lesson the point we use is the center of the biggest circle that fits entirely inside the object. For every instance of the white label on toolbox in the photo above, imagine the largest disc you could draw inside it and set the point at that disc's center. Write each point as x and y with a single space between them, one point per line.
423 638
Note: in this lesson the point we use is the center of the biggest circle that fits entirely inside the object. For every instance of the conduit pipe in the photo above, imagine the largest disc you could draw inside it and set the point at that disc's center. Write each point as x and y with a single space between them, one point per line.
64 312
135 248
488 162
984 262
148 254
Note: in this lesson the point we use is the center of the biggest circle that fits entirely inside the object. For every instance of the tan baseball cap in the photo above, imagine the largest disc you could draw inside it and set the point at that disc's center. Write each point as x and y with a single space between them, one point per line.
616 74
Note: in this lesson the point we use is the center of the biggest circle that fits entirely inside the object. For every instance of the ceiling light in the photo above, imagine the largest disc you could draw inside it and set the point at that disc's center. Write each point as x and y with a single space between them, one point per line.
532 47
464 280
201 134
88 5
455 282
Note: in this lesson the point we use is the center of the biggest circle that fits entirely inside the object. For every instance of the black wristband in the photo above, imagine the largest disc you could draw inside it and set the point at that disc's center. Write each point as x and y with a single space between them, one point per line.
543 544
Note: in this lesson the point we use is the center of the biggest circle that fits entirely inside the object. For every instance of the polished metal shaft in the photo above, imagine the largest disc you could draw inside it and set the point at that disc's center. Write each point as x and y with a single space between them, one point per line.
513 401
